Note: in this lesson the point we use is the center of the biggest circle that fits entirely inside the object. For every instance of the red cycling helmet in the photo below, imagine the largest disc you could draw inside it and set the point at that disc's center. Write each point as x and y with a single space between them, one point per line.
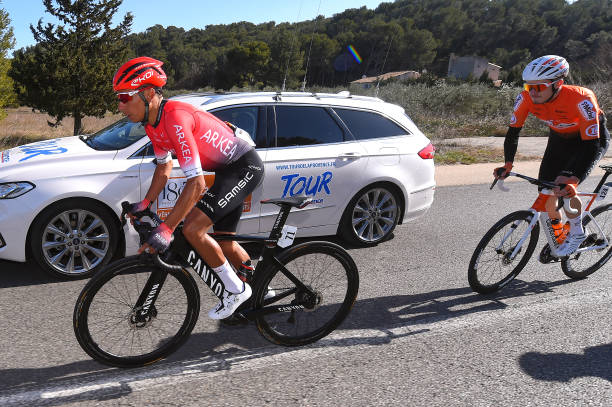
139 73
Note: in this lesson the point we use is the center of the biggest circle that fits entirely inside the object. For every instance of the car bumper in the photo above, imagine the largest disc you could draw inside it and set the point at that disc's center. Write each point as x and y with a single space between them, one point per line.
419 203
15 220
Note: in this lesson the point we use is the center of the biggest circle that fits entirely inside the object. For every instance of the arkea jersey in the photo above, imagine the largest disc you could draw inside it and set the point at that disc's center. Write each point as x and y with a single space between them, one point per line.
200 141
573 112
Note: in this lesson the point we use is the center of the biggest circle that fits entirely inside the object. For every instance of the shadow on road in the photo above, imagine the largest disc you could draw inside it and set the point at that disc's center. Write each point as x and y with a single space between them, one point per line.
563 367
14 274
231 346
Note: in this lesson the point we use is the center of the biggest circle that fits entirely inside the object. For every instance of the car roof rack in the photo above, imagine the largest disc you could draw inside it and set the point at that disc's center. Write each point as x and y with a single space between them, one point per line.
278 96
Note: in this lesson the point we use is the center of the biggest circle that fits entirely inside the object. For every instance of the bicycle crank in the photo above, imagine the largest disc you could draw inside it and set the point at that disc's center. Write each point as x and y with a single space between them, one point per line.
546 256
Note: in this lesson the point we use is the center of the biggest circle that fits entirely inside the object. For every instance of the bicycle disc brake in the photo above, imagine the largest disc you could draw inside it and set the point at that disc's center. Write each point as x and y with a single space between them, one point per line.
137 320
506 259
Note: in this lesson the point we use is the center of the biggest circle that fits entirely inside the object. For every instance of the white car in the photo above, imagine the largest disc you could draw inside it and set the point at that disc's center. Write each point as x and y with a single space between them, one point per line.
364 162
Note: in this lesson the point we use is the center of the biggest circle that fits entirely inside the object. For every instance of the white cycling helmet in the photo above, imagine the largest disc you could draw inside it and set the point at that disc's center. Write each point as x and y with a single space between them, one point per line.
548 67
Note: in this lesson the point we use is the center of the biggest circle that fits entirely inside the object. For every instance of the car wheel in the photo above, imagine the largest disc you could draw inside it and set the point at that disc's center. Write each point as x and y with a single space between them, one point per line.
370 216
74 239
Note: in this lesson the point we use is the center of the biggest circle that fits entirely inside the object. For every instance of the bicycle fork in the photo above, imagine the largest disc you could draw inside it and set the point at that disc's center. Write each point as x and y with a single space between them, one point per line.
144 309
519 245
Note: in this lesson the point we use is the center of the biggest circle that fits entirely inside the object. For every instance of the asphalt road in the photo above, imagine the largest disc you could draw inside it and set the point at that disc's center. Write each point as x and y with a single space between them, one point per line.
416 336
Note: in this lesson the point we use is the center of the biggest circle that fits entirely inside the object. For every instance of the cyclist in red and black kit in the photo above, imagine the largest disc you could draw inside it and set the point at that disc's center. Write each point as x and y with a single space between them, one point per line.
201 142
578 137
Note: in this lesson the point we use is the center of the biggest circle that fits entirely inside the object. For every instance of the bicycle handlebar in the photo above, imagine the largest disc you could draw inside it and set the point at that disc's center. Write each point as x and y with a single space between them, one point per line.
566 201
144 224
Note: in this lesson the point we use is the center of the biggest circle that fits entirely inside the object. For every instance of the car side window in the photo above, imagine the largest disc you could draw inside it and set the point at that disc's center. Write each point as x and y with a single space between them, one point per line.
306 125
145 151
244 117
368 125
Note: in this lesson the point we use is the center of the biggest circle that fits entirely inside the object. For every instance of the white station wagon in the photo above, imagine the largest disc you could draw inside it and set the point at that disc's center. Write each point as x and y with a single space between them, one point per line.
364 162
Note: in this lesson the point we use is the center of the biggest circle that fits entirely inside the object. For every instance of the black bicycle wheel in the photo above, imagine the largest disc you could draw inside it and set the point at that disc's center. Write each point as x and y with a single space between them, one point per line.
582 264
104 315
326 269
491 266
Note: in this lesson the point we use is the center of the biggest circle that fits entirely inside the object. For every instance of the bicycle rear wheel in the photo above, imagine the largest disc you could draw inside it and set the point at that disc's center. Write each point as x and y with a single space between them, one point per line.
326 269
105 316
583 264
491 266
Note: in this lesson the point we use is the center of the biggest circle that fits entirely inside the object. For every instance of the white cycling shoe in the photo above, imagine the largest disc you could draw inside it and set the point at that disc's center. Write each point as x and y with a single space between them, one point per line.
571 244
230 302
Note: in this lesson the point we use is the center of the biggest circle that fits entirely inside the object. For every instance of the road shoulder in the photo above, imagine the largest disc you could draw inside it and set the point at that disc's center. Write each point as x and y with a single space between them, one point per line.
461 174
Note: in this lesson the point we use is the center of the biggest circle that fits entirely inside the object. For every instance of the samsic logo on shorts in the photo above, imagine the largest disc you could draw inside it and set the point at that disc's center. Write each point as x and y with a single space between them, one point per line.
592 131
587 109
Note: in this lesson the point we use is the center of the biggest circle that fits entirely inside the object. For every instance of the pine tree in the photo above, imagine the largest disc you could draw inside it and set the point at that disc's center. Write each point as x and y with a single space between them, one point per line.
69 71
6 42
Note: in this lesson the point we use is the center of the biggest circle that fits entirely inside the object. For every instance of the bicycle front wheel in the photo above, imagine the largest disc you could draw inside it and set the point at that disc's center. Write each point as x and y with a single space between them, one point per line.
493 265
106 321
582 264
328 271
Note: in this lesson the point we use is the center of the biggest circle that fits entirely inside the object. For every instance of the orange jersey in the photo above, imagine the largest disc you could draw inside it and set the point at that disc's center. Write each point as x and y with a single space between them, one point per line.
574 111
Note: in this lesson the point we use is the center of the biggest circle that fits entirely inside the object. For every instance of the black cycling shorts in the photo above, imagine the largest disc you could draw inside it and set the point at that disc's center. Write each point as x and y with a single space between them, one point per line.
560 154
222 203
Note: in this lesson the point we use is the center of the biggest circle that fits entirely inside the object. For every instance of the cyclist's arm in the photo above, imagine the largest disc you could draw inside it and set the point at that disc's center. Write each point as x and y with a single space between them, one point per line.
160 178
591 147
511 143
520 112
186 201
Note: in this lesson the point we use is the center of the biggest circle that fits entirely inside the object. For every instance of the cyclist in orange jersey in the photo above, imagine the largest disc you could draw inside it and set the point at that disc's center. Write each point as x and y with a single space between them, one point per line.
578 136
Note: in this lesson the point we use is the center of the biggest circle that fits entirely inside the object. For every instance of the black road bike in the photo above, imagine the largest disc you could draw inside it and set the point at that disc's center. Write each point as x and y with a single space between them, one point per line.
142 308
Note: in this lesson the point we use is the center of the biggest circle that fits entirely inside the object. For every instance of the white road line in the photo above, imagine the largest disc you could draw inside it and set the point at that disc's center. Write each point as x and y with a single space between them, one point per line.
119 381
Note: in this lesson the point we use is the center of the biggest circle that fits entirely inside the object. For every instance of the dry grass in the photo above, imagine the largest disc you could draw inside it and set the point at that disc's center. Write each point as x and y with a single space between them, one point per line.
22 126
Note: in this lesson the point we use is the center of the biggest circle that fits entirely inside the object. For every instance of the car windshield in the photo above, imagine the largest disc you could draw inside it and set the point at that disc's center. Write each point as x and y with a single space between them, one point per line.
117 136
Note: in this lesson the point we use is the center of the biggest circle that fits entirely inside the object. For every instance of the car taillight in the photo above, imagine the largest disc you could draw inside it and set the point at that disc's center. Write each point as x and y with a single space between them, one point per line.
428 152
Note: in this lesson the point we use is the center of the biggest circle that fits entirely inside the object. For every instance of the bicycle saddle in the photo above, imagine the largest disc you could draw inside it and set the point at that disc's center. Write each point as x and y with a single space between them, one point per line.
297 201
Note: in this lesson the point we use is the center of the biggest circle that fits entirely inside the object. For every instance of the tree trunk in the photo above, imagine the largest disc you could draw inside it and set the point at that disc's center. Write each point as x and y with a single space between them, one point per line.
77 123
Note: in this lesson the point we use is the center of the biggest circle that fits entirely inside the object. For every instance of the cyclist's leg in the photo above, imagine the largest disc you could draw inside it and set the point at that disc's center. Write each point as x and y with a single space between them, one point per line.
232 185
550 167
235 291
221 206
234 252
251 164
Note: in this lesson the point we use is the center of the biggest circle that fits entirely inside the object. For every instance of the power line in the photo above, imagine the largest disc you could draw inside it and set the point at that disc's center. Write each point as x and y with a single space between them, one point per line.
310 47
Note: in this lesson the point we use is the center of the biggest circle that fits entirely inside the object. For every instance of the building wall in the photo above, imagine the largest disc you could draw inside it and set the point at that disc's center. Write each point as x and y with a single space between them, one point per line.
462 67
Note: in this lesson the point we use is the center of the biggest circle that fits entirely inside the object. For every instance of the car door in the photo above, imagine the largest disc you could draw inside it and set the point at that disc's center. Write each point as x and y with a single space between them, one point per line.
310 152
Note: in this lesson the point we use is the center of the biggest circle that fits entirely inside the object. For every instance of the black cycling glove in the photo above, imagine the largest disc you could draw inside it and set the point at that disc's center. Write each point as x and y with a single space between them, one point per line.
160 238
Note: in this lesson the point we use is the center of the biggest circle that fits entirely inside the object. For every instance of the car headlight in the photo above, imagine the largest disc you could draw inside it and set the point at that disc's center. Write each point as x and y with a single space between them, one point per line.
11 190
